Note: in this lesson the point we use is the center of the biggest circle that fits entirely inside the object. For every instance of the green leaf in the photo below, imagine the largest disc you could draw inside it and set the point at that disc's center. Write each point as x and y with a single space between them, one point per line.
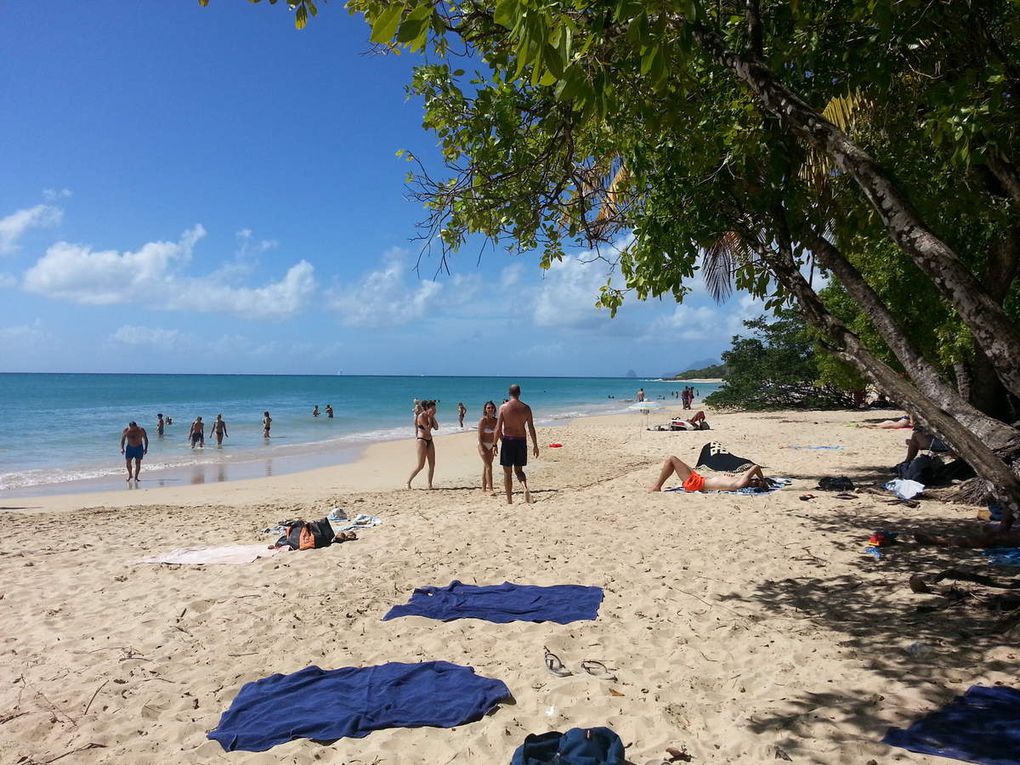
301 17
508 13
385 24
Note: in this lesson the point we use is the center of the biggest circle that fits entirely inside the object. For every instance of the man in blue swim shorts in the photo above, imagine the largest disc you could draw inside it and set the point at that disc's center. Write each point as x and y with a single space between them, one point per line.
134 444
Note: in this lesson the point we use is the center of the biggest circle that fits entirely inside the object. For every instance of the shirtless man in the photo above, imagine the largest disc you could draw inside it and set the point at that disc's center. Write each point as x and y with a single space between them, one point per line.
694 481
197 433
514 417
219 429
137 441
160 425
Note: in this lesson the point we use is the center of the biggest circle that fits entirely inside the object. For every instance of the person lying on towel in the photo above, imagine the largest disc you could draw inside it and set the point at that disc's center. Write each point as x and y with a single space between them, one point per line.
694 481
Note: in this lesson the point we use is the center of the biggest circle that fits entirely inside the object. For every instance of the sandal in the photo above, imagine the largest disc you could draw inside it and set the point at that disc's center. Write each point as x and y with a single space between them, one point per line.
597 669
345 536
806 497
554 665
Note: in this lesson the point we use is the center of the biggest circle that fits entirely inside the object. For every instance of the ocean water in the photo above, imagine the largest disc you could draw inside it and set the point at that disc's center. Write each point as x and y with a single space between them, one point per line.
61 432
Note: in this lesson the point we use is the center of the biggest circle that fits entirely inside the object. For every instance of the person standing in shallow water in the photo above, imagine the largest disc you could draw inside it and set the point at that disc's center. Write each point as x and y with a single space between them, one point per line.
160 425
424 424
134 444
513 425
329 411
267 423
219 429
461 411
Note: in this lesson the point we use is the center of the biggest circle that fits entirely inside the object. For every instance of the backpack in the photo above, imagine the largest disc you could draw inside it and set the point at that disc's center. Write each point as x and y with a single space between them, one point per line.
921 469
578 746
306 535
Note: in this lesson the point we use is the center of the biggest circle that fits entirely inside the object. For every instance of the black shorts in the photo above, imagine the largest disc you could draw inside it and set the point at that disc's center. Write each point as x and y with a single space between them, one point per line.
514 452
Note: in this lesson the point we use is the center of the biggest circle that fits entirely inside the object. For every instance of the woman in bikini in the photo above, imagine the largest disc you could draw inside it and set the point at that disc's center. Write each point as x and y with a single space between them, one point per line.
424 424
487 443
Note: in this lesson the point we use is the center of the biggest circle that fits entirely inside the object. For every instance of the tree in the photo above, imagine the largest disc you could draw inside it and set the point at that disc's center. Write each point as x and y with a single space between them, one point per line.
697 125
776 367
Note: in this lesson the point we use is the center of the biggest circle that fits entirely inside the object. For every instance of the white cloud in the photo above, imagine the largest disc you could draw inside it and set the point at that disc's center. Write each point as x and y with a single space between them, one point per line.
8 281
713 323
52 195
151 275
276 299
14 226
567 295
77 273
511 275
23 335
133 335
385 297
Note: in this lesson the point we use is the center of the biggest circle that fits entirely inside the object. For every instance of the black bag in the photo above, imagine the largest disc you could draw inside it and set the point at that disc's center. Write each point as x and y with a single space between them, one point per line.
835 483
921 469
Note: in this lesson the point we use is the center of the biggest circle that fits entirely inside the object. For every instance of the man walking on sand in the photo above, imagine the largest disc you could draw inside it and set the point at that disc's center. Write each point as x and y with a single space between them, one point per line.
514 417
137 441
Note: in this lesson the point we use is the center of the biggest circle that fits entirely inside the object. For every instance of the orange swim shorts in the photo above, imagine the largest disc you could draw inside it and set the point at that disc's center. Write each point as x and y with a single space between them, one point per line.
695 481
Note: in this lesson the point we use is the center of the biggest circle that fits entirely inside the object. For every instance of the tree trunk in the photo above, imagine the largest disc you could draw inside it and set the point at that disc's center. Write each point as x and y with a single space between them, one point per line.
993 330
996 434
1003 483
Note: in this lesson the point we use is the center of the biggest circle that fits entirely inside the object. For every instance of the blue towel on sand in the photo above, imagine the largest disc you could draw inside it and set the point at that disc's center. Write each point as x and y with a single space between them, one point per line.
502 603
1003 556
982 726
354 701
775 485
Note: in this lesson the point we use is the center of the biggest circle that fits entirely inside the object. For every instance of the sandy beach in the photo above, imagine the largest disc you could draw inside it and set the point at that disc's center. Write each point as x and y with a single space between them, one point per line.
744 629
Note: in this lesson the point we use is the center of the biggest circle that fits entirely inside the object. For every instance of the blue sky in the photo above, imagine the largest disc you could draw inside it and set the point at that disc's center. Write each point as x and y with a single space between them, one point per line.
192 189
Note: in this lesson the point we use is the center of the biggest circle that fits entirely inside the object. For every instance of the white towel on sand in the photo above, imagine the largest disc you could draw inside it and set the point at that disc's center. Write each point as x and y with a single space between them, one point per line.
196 556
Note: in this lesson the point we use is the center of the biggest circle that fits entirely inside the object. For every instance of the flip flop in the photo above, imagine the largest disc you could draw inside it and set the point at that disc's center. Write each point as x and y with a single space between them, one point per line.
845 495
554 665
597 669
806 497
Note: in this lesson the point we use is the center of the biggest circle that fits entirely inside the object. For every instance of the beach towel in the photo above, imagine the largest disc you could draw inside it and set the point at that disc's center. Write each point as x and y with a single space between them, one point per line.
775 484
578 746
360 521
1003 556
982 726
324 705
715 457
198 556
503 603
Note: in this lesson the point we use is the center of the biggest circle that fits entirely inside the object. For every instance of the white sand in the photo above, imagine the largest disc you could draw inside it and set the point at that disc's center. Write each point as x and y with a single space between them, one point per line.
737 626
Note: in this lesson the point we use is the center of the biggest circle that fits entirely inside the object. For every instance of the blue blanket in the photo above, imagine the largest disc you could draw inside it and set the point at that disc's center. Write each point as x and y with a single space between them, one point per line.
1003 556
982 726
354 701
775 484
502 603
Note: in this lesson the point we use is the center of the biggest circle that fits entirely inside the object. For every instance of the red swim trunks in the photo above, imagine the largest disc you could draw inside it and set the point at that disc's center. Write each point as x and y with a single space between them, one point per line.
695 482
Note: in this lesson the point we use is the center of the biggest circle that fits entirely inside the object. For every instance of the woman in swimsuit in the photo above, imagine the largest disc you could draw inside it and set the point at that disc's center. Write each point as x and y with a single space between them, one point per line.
424 424
487 443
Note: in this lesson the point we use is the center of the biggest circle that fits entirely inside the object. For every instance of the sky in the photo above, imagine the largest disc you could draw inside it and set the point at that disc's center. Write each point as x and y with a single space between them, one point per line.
209 190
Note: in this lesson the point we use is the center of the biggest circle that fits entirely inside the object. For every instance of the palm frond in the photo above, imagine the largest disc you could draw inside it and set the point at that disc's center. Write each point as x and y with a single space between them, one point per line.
719 265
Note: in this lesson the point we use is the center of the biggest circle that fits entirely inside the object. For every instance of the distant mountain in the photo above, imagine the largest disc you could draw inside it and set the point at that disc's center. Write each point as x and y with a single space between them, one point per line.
631 373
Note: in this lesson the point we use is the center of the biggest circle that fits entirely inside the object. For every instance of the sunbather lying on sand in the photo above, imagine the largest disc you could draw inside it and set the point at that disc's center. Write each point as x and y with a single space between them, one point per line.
900 422
694 481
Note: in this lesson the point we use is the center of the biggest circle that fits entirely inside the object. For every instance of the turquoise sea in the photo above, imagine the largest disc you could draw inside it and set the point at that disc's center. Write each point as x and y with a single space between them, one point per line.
61 432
